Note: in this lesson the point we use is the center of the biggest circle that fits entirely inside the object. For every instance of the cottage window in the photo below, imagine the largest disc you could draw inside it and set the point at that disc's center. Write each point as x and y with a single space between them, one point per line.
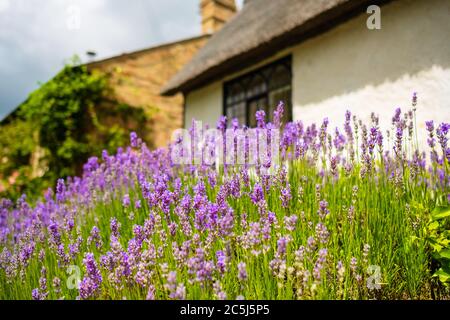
260 89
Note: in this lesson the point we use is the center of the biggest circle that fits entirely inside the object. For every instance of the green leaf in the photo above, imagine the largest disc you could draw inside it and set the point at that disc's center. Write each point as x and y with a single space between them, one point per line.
443 276
445 254
440 212
433 225
436 247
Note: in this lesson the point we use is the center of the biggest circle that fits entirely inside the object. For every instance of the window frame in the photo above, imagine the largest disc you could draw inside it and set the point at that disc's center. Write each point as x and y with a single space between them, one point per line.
245 79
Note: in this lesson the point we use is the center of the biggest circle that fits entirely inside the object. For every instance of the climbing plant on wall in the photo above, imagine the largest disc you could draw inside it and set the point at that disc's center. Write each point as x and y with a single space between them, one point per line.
65 120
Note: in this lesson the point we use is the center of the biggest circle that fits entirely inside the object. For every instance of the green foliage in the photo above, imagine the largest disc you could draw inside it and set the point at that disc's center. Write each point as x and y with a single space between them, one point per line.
438 231
58 109
64 118
17 143
13 157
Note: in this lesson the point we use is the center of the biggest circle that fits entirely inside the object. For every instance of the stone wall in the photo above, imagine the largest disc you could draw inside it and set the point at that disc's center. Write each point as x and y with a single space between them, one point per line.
138 77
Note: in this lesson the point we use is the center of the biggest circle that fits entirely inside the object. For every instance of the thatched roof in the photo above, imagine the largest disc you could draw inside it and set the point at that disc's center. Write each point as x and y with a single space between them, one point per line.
260 29
146 50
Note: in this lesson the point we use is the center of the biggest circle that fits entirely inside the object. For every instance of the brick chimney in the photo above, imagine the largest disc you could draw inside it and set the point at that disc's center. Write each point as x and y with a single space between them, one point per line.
215 13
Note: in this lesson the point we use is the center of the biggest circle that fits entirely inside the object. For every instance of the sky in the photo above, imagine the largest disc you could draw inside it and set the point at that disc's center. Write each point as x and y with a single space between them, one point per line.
37 37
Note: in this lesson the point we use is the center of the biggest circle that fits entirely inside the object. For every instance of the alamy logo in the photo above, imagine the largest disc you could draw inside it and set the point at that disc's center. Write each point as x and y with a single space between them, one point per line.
232 146
374 280
73 21
374 20
73 281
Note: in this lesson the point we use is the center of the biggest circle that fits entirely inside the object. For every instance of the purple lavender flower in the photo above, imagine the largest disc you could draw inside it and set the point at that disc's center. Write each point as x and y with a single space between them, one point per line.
320 264
323 209
353 264
54 233
126 201
379 141
221 261
218 291
235 123
60 190
260 116
56 285
396 117
41 293
278 114
271 217
258 194
91 268
151 293
398 141
235 187
281 246
372 139
348 127
115 227
35 294
139 233
212 178
300 254
26 253
222 123
180 293
340 271
441 133
200 189
334 165
91 165
87 288
105 155
322 233
311 244
95 237
242 272
429 125
290 222
366 250
74 247
90 285
323 134
285 196
133 139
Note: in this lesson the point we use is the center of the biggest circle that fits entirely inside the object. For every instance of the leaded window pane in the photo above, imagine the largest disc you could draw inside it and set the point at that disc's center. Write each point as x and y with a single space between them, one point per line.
260 89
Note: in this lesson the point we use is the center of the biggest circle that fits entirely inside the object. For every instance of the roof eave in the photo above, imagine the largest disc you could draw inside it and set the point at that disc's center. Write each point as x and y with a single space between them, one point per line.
145 50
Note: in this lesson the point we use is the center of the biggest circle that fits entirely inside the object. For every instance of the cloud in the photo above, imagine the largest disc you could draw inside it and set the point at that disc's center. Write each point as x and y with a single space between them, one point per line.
4 5
36 37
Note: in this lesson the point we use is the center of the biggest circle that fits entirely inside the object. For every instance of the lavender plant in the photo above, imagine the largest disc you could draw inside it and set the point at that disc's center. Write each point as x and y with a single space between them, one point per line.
343 217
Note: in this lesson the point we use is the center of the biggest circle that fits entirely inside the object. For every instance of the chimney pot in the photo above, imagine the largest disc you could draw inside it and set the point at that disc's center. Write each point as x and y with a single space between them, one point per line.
215 13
